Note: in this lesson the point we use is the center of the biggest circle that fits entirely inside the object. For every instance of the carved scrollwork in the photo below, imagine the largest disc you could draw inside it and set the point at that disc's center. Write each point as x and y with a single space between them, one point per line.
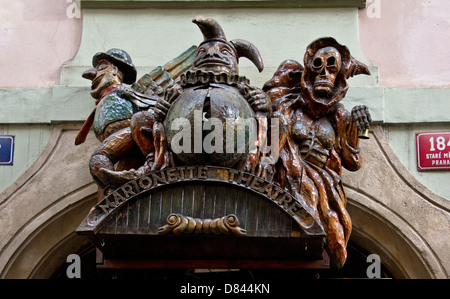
179 225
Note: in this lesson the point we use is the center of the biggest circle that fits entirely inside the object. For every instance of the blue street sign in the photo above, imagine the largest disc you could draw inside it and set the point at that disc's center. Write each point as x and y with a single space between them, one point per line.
6 149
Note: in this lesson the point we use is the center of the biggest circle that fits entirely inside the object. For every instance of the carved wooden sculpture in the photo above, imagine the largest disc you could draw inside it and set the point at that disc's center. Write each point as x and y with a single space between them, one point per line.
121 149
139 126
322 135
213 89
115 105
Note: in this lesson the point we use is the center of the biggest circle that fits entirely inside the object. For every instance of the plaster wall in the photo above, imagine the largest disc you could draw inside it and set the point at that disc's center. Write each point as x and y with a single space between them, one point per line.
36 38
153 37
408 40
401 138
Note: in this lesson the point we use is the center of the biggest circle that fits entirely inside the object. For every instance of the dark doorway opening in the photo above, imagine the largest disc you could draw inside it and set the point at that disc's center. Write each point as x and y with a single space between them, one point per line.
355 267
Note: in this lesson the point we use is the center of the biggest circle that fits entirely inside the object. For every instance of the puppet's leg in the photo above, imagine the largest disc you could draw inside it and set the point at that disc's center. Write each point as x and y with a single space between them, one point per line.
115 147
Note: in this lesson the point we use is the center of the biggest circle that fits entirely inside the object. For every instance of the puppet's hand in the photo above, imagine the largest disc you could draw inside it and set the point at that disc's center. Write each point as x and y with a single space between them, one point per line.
361 117
161 108
257 98
163 105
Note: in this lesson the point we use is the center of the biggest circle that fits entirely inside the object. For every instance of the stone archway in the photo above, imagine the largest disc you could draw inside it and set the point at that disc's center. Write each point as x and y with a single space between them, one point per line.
393 215
48 247
397 253
41 210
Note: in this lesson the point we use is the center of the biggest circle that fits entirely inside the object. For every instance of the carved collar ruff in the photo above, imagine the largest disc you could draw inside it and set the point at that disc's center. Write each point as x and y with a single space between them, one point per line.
200 77
108 90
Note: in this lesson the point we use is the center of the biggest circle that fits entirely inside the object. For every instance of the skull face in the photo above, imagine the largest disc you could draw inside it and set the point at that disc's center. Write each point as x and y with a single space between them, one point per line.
325 67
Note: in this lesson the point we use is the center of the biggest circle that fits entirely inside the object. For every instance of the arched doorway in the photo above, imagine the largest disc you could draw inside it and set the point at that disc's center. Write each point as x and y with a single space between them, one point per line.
383 224
355 267
364 241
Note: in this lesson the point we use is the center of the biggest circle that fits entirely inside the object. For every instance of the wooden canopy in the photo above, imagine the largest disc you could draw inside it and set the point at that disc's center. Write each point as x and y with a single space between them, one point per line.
203 217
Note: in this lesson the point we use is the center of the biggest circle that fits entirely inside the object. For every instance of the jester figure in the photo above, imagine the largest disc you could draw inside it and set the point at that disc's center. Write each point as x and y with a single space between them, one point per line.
213 90
322 136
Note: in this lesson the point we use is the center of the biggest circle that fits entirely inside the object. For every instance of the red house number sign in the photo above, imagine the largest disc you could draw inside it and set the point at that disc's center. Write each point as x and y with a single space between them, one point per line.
433 151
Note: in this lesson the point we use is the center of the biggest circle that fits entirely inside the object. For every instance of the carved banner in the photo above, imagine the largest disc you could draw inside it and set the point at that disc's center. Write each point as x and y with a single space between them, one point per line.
169 176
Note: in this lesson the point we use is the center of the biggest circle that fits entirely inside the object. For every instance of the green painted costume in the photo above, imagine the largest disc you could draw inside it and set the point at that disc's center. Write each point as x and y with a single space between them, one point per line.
111 108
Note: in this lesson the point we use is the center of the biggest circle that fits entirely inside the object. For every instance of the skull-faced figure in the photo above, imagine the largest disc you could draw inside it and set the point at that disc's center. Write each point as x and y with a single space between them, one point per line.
322 138
326 66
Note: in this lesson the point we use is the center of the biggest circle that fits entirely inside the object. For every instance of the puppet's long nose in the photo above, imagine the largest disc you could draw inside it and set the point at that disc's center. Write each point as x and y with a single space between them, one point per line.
90 74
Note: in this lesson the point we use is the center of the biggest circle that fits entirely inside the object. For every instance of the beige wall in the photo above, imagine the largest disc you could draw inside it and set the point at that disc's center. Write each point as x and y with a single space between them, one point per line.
409 41
36 38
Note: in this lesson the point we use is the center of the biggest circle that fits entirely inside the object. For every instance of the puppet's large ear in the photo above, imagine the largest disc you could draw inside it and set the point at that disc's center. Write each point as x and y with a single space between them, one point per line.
248 50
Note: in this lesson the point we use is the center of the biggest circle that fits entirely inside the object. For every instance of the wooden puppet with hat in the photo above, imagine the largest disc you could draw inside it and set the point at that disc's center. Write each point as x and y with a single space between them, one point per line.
114 161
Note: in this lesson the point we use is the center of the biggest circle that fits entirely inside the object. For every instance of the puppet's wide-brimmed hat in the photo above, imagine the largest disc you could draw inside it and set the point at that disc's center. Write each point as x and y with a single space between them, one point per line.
122 60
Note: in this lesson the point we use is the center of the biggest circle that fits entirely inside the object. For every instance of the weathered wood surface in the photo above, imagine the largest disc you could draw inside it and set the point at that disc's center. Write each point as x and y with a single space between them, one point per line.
132 231
184 200
149 212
